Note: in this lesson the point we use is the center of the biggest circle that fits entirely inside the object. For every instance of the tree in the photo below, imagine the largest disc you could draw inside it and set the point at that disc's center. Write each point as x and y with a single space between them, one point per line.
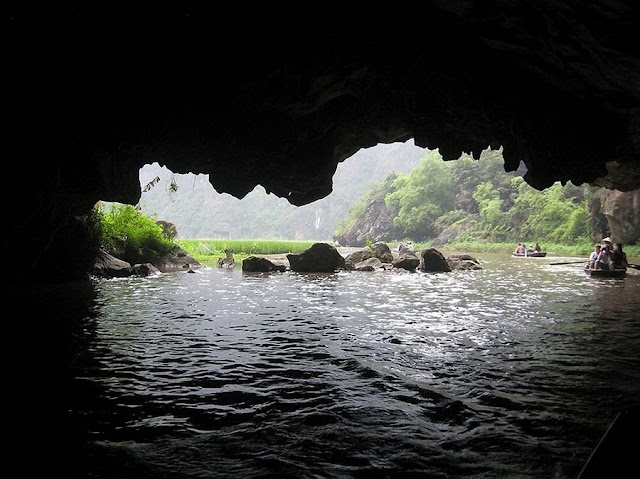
422 196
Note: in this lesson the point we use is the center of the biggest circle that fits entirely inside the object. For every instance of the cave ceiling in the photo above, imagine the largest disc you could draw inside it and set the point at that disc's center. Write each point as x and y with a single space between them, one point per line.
279 95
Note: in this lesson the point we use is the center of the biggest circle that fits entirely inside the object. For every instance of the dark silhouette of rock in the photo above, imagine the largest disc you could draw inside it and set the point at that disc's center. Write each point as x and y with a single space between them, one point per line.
260 264
320 258
433 261
144 269
108 266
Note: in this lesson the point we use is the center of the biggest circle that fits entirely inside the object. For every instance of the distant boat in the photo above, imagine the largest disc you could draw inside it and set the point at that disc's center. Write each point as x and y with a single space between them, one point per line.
535 254
606 273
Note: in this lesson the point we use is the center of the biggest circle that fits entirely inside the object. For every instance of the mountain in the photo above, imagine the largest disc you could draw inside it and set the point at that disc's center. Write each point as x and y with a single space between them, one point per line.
199 211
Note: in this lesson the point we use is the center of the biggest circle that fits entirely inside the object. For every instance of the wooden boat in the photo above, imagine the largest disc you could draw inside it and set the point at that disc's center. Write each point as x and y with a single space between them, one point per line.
535 254
606 273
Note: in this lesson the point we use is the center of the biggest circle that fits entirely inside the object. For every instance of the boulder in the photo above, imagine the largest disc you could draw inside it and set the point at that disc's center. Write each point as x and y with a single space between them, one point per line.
144 269
108 266
175 260
370 264
433 261
257 264
463 262
382 251
406 260
320 258
358 256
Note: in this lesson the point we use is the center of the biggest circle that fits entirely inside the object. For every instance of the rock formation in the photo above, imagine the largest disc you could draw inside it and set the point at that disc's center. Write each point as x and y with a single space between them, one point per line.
622 211
107 266
433 261
463 262
278 95
319 258
406 260
258 264
381 250
358 256
369 264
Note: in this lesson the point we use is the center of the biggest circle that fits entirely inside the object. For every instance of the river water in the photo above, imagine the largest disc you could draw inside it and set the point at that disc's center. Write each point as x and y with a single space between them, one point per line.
512 371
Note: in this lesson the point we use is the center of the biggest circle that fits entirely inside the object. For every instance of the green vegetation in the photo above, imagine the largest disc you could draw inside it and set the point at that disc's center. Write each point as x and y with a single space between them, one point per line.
133 237
129 235
208 251
475 202
422 196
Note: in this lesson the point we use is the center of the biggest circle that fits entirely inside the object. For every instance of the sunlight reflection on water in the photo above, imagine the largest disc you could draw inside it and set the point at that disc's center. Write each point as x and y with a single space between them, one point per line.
509 371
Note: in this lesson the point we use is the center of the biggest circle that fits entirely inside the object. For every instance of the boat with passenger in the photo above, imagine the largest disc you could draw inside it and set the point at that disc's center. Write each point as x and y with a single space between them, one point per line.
533 254
606 273
523 252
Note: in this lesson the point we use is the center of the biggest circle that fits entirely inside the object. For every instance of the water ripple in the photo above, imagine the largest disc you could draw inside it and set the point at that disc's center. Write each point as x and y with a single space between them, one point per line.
514 371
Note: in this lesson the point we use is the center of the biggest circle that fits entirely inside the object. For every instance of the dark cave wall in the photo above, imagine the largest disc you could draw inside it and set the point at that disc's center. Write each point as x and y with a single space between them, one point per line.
278 96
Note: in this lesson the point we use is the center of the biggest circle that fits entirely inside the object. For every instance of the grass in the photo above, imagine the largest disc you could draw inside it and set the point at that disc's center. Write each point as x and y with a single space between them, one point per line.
208 251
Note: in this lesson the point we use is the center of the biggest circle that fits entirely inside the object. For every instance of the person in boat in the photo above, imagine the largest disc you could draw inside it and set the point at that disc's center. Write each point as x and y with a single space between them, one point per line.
605 258
619 257
519 249
593 257
537 249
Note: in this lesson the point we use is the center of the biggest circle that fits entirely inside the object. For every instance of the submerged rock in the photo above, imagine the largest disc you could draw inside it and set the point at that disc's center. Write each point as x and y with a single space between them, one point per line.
463 261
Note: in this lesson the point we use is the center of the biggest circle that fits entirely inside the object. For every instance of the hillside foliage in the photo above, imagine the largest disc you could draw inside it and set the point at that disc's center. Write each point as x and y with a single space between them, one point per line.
476 200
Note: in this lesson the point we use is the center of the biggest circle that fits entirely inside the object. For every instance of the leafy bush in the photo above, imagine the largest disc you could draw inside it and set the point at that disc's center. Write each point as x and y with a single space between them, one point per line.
129 235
